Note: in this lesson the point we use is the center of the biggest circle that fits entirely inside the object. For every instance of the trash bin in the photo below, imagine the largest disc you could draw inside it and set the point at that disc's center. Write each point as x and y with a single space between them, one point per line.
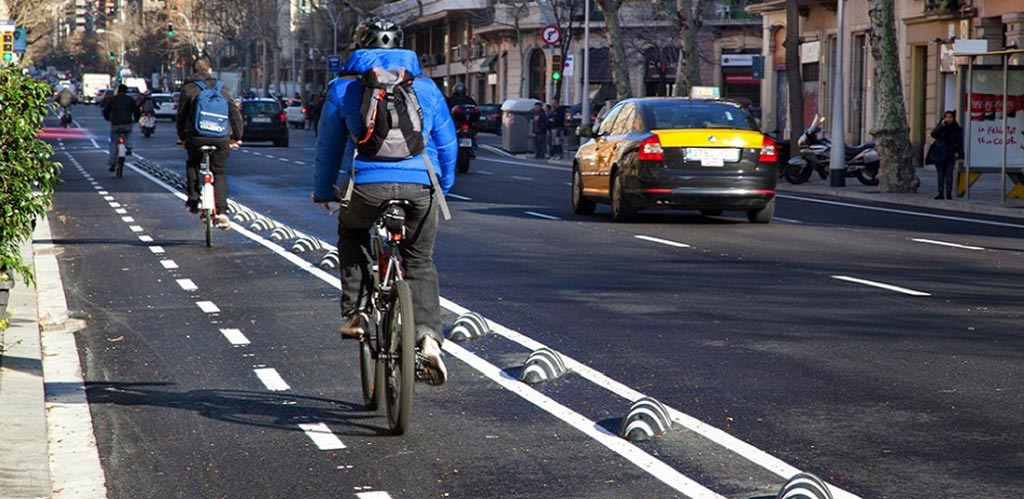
516 121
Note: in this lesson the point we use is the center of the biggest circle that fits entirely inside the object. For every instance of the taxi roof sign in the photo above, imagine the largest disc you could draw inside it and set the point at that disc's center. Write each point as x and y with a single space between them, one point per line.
705 93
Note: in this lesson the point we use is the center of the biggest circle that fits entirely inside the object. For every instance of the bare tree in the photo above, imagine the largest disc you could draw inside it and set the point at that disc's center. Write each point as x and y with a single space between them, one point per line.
566 14
684 14
36 16
613 32
512 13
891 131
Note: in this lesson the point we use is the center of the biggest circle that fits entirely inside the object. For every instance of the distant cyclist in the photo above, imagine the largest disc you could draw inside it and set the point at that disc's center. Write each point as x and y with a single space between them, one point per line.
223 131
377 179
65 98
122 112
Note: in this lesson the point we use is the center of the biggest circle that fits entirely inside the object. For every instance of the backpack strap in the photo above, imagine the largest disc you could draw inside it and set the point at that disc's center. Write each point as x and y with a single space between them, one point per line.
437 187
201 84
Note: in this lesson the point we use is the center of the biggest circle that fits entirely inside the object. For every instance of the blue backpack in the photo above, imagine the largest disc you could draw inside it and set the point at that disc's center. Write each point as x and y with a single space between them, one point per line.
211 111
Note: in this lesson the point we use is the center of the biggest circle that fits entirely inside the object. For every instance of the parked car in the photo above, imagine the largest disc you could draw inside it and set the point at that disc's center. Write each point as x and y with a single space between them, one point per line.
264 120
295 112
676 153
490 118
166 106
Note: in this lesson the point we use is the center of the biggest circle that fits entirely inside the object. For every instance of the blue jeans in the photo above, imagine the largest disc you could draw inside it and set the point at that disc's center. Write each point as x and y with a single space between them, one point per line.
417 252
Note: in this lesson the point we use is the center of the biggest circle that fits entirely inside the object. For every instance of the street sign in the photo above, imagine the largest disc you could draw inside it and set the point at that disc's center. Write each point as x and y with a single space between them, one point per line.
551 35
757 68
568 67
334 64
20 41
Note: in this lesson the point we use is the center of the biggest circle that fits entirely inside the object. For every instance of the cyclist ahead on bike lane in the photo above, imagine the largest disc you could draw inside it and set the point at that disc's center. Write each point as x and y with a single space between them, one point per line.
193 138
379 45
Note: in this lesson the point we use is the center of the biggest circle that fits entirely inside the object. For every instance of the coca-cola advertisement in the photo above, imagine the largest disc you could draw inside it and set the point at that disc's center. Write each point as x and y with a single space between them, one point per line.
983 135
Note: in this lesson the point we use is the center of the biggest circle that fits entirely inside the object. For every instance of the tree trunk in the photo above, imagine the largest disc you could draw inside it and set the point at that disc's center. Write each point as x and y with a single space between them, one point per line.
796 90
688 65
617 54
891 131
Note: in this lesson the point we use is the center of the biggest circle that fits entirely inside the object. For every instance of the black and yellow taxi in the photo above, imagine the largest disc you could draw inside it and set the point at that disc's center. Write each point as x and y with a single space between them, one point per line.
680 153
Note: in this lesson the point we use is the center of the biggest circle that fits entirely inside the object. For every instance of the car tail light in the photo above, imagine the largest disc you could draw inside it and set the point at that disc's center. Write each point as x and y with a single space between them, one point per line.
465 127
303 110
769 153
283 117
650 149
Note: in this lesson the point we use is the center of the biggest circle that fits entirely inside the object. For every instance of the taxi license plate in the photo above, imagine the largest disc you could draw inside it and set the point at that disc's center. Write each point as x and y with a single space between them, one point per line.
261 119
465 142
717 156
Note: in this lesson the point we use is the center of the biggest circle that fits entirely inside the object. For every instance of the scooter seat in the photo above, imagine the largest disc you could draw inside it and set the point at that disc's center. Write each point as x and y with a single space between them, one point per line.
852 151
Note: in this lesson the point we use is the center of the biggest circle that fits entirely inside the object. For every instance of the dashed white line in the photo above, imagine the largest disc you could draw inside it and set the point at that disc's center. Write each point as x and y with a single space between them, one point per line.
517 177
157 250
114 205
128 219
135 228
208 307
373 495
541 215
235 336
121 211
881 285
300 163
662 241
456 196
951 245
484 172
786 220
187 285
108 198
169 264
285 160
271 379
146 239
321 436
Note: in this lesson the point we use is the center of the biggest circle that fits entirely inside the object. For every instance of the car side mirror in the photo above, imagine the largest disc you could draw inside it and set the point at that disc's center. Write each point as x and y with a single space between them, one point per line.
583 131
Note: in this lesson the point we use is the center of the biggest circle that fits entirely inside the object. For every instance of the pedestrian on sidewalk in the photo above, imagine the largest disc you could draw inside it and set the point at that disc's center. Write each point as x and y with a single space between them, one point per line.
945 152
540 130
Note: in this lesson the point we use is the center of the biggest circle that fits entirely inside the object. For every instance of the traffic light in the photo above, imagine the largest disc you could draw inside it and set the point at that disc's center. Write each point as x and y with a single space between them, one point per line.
8 46
556 67
170 29
112 56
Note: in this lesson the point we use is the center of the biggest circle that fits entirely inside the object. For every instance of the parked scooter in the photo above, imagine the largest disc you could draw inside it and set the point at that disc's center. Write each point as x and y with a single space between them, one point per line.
466 117
815 154
147 124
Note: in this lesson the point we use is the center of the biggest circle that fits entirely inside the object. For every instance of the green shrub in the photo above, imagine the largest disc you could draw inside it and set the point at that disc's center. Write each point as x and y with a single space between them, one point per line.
28 175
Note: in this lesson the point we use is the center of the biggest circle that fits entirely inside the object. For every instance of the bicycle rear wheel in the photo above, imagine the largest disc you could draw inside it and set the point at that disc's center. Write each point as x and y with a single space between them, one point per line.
120 167
208 215
400 364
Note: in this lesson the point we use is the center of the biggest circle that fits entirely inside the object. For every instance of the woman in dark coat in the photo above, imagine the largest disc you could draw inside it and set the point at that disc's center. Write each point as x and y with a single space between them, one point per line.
945 151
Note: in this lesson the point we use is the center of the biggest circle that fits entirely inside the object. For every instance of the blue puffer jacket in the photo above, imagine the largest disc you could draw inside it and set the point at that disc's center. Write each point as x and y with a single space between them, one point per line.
335 150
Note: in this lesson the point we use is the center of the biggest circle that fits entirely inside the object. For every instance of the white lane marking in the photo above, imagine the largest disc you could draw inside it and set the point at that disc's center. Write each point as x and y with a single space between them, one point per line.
128 219
94 144
108 198
951 245
300 163
169 264
271 379
484 172
285 160
541 215
787 220
235 336
157 250
121 211
373 495
135 228
656 467
456 196
187 285
662 241
321 436
523 163
114 205
726 440
208 307
903 212
882 285
517 177
146 239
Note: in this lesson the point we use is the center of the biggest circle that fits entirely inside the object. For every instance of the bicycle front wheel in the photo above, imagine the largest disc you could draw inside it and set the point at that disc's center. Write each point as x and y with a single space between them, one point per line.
400 364
372 376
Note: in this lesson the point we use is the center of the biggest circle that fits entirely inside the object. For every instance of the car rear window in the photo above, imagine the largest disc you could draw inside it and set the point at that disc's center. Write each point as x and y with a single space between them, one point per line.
253 108
697 114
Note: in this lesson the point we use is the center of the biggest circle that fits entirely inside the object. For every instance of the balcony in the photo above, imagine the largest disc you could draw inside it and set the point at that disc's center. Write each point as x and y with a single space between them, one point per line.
941 6
729 12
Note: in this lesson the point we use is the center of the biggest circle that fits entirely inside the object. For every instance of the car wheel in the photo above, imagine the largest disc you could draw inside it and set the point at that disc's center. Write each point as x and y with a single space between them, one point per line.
621 210
711 213
580 204
764 215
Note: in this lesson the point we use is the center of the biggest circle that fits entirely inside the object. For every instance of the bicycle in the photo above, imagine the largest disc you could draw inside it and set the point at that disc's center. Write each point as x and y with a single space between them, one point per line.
122 149
207 200
388 361
65 117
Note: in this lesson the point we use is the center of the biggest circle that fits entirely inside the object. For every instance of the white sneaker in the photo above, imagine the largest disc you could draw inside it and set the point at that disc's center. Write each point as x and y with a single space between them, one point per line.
222 221
433 367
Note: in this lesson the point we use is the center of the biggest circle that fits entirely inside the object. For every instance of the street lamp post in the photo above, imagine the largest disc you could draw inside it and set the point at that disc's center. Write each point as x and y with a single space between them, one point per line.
837 160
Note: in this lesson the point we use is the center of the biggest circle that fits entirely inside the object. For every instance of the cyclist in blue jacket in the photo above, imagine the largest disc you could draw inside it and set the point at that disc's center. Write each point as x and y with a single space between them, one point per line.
379 44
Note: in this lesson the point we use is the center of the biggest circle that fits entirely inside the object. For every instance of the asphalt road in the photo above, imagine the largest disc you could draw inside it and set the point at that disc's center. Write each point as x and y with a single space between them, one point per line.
773 345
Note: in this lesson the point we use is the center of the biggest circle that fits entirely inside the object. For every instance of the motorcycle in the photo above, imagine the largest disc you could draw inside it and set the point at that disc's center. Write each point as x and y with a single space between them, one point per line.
466 117
815 153
147 124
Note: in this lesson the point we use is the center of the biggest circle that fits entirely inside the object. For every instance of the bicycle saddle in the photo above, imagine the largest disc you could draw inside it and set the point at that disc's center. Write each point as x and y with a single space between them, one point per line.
207 148
393 213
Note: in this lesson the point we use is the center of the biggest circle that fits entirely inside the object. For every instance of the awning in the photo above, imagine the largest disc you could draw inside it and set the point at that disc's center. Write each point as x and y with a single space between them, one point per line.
741 80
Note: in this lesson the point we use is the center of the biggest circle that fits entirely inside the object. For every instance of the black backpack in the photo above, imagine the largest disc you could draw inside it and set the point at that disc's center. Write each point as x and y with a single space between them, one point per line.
392 120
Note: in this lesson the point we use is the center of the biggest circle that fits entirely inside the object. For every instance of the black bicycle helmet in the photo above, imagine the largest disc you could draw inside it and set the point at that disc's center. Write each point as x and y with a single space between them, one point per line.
378 33
459 89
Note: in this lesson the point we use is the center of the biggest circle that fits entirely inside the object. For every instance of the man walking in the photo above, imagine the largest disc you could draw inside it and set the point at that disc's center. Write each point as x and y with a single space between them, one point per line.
540 130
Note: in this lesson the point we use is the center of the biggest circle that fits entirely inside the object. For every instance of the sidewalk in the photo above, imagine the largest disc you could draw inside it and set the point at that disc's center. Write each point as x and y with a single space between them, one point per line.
985 197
